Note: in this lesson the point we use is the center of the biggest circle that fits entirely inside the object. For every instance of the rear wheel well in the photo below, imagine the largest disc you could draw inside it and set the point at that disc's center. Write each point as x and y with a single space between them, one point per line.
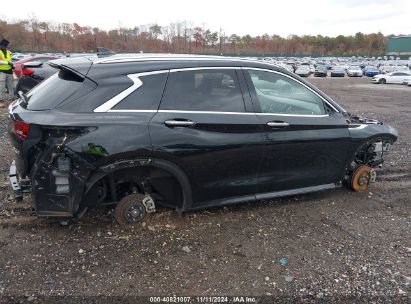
161 184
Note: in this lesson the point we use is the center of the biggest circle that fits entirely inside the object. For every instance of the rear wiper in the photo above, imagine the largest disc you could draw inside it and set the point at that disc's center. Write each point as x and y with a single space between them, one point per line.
24 97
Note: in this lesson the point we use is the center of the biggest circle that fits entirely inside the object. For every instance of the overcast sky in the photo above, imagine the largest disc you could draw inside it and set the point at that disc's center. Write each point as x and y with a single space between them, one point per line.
300 17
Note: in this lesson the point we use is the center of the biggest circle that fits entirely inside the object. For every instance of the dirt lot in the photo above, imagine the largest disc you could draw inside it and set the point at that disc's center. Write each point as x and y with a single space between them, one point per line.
338 244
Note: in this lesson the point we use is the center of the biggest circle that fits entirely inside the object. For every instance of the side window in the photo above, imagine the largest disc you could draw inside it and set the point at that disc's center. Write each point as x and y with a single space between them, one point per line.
147 96
281 95
203 90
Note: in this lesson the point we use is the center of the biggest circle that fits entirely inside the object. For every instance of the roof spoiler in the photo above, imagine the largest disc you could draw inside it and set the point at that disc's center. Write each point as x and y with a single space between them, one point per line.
104 52
67 69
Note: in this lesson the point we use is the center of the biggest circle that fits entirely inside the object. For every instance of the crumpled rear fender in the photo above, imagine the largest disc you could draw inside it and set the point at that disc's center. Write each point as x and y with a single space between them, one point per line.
58 179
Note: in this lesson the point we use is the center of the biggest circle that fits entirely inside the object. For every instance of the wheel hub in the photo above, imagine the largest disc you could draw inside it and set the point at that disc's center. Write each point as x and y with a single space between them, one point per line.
130 209
363 179
135 212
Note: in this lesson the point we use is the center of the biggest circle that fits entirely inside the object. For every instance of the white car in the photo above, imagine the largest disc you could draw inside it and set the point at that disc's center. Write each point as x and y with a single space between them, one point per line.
407 81
303 71
354 71
393 77
312 68
402 68
384 69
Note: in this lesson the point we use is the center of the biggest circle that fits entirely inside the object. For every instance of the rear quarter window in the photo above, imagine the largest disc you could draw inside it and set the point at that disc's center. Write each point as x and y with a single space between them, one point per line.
147 96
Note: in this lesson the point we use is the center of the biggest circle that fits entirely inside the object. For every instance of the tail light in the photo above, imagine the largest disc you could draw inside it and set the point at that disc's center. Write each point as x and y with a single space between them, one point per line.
21 129
26 71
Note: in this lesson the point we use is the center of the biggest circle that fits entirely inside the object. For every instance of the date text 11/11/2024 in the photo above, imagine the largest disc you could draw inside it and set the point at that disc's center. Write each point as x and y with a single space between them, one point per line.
204 299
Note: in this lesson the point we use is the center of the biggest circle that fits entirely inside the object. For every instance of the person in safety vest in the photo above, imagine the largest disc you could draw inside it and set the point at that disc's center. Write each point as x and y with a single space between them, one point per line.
6 67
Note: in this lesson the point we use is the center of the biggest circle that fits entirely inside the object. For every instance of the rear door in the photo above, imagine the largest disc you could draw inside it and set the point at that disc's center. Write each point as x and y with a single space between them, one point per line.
399 77
306 140
207 126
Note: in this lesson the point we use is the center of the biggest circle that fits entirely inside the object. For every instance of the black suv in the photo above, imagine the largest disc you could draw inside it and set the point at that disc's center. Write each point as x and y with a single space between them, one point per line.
185 132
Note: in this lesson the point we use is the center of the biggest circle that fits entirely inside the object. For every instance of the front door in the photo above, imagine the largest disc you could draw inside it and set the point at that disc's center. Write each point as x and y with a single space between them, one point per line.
306 139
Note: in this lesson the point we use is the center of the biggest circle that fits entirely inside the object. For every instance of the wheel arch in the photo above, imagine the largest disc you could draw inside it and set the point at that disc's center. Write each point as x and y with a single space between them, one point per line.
357 148
147 165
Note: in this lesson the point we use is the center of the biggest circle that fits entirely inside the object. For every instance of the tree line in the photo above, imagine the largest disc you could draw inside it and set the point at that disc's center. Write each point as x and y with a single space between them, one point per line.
33 35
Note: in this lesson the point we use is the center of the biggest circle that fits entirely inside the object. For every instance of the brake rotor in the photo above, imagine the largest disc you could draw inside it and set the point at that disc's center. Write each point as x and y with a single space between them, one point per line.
130 209
361 178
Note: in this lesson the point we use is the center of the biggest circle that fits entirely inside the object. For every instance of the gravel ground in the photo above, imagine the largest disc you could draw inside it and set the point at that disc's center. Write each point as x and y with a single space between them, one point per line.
335 246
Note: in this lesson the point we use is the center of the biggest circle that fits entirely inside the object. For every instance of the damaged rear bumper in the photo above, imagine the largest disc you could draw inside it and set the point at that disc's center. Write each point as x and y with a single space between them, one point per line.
56 183
18 186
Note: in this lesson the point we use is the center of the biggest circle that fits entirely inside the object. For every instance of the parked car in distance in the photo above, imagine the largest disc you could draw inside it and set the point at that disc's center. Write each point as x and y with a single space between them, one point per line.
19 56
393 77
303 70
370 71
18 64
407 81
384 69
287 67
290 66
320 71
402 68
312 68
32 73
337 71
354 71
184 132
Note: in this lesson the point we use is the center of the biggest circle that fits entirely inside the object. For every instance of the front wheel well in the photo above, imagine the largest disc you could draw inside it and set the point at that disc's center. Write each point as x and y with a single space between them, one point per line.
369 153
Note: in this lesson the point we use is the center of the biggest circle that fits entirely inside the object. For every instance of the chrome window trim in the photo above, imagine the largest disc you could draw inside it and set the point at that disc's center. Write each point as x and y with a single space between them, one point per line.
132 111
211 112
296 80
151 73
205 112
109 104
294 115
105 107
204 68
237 113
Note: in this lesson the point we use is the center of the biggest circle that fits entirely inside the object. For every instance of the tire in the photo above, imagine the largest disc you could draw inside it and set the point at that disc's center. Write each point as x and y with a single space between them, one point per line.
130 209
382 81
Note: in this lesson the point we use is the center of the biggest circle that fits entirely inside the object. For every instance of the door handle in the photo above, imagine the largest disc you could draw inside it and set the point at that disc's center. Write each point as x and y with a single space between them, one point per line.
278 124
179 123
